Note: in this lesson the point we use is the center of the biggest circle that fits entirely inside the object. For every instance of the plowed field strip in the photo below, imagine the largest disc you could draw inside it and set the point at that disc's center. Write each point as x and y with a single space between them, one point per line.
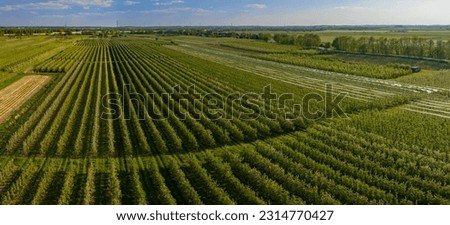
13 96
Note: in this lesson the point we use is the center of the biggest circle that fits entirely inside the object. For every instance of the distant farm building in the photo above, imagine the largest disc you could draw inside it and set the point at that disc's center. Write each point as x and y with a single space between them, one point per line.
58 34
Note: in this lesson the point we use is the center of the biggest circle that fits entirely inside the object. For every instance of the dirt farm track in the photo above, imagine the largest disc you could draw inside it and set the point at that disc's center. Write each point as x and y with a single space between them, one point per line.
13 96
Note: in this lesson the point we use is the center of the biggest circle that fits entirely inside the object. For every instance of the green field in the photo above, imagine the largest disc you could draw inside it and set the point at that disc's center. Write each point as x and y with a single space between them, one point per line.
7 78
20 54
68 145
429 78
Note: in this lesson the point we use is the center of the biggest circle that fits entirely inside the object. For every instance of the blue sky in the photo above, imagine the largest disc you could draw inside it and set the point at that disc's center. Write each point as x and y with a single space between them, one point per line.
221 12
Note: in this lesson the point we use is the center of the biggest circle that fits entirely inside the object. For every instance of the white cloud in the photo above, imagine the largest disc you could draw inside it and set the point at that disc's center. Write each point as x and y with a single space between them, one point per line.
6 8
350 7
159 3
98 14
35 6
176 10
131 3
84 14
201 11
52 16
99 3
57 5
256 6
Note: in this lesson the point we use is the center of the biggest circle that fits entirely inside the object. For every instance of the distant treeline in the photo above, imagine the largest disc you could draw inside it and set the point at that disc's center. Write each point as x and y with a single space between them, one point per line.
408 46
29 31
308 40
305 41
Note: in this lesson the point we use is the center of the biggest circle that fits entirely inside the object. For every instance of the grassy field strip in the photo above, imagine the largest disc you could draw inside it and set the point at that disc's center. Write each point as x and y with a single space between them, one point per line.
309 86
346 86
17 44
434 104
12 97
431 107
382 93
427 107
439 103
7 78
288 76
358 95
318 84
427 113
353 91
301 83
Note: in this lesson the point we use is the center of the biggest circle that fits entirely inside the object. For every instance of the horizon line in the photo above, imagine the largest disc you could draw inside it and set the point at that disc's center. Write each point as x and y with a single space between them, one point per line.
269 26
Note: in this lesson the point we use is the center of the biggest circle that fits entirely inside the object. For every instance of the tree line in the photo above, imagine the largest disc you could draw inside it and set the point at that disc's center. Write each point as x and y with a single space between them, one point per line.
409 46
308 40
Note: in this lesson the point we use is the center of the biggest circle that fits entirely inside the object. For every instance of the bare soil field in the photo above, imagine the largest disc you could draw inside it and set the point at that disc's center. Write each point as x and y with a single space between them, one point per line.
13 96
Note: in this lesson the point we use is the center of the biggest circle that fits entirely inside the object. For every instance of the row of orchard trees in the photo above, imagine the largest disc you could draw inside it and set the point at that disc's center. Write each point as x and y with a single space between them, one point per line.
96 67
325 164
409 46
